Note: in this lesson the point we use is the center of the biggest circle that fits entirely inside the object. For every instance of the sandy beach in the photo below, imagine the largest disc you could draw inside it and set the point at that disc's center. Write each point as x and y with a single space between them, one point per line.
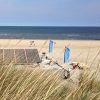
84 51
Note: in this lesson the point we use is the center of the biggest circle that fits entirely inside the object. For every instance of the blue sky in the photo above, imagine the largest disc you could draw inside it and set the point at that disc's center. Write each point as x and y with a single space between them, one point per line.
50 12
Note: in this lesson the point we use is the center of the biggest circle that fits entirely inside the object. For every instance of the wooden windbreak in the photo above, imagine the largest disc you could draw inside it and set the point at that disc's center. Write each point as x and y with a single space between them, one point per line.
19 56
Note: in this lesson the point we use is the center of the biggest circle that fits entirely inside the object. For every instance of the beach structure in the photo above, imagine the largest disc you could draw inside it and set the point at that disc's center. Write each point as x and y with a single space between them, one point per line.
19 56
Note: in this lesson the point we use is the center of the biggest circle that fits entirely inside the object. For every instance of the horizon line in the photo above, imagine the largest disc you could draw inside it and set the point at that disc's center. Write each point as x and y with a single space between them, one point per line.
42 26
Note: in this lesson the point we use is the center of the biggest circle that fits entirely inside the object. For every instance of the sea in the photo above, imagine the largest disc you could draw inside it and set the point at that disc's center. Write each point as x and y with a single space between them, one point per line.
48 32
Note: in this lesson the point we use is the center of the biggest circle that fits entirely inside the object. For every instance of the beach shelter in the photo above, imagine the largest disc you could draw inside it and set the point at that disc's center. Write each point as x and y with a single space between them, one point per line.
66 55
51 46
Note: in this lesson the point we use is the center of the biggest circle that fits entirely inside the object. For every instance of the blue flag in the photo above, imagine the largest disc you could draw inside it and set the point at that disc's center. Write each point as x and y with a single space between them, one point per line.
66 55
51 45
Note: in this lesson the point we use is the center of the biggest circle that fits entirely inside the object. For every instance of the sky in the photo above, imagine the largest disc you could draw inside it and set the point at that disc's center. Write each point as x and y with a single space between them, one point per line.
49 12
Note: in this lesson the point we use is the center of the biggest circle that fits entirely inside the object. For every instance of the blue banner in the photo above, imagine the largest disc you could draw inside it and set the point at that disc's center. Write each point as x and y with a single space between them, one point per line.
66 55
51 45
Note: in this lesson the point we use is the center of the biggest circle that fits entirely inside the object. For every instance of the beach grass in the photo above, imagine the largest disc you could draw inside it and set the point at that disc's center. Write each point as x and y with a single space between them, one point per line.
38 84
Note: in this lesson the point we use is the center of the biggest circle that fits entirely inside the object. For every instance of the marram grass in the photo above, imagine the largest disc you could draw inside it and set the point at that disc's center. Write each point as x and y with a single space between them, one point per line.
38 84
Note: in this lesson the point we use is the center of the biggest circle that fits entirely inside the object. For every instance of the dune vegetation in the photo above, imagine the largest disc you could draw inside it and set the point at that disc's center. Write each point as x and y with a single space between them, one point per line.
37 84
